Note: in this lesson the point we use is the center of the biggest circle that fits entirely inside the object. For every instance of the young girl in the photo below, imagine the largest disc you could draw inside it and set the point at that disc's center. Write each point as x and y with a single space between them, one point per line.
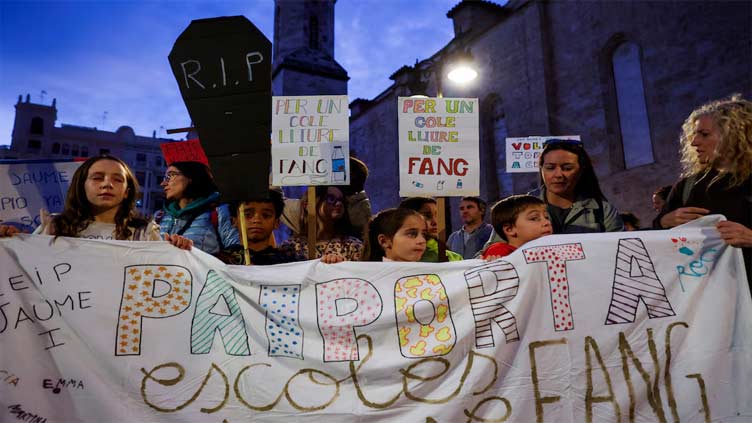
100 204
395 235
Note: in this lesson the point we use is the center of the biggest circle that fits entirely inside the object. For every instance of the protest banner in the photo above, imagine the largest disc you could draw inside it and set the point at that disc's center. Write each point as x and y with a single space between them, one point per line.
643 326
27 186
310 140
438 147
183 151
523 153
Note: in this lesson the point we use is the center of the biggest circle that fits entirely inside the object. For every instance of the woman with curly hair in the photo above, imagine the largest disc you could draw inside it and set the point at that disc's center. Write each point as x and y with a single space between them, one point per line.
716 157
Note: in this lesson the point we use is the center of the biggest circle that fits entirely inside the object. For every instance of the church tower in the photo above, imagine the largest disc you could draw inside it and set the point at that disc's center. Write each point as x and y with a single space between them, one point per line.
304 49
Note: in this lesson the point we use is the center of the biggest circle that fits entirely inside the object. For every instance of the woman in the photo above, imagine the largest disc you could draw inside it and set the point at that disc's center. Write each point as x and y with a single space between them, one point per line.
571 191
192 209
716 157
334 240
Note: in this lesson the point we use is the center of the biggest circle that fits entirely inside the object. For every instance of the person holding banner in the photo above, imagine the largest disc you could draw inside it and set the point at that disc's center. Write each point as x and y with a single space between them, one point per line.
571 191
101 204
716 157
395 235
334 239
193 210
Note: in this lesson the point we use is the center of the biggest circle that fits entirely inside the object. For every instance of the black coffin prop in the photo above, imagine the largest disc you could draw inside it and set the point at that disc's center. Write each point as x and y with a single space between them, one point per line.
223 69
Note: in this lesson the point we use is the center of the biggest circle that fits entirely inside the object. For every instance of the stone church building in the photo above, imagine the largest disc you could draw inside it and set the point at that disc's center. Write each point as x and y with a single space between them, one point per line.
621 74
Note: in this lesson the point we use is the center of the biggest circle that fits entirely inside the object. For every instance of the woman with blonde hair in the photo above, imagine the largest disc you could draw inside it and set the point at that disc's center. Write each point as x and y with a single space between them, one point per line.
716 158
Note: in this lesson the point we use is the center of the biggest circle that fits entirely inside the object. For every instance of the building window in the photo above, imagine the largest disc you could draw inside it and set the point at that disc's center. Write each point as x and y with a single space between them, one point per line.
84 151
37 126
56 148
157 161
74 151
632 110
141 178
66 149
104 151
34 145
313 33
141 158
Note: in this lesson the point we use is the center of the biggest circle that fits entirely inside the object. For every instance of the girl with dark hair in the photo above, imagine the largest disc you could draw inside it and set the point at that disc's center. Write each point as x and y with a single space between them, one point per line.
395 235
193 210
100 204
436 250
570 189
334 239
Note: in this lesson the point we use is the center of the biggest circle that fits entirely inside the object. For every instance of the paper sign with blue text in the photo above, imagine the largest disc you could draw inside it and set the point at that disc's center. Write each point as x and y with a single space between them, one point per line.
310 140
523 153
26 187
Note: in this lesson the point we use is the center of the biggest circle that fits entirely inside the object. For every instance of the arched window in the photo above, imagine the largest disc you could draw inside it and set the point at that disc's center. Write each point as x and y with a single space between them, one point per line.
56 148
630 99
37 126
313 33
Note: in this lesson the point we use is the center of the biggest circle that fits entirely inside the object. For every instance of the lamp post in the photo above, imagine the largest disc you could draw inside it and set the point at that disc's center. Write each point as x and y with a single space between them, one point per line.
461 71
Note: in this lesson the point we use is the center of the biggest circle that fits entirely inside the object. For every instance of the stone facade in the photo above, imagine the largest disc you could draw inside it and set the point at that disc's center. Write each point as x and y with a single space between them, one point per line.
35 136
547 68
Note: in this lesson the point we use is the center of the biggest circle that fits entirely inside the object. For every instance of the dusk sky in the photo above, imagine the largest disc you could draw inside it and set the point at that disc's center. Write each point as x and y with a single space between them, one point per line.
106 61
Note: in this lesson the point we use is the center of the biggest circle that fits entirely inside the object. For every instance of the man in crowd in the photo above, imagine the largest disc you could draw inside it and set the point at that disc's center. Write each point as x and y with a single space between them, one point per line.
475 232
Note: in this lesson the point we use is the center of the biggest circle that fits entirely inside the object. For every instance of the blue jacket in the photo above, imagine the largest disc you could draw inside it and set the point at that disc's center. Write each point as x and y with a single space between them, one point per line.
478 237
201 231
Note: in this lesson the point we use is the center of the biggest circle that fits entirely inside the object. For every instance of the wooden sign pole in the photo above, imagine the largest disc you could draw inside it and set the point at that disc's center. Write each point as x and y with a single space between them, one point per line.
243 234
312 221
441 217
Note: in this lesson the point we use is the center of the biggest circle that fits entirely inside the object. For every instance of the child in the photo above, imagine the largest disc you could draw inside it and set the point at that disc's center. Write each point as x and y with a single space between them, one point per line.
100 204
436 250
395 235
261 219
517 219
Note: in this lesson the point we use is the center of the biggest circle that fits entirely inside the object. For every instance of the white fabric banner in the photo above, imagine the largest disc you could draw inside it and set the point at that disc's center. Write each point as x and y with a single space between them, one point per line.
28 186
310 140
438 146
643 326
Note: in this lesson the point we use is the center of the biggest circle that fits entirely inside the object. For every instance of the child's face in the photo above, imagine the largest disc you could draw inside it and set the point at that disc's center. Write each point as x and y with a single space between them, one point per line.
532 223
431 213
409 243
260 221
106 185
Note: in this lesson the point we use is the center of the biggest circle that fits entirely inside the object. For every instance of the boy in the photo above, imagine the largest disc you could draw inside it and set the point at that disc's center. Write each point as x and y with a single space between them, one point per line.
261 218
517 219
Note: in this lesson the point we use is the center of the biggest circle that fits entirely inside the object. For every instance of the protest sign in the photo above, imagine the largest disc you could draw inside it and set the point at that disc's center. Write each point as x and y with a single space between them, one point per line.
28 186
310 140
644 326
183 151
523 153
223 69
438 146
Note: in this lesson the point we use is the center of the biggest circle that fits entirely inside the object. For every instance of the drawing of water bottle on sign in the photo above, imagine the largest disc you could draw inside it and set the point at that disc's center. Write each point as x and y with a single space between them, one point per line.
310 140
438 147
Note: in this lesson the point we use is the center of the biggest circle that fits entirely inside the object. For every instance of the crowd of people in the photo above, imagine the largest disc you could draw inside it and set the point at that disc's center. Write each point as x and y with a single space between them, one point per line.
716 158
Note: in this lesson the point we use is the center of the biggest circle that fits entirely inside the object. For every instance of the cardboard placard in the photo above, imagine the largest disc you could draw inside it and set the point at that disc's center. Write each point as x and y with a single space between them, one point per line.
522 153
183 151
223 70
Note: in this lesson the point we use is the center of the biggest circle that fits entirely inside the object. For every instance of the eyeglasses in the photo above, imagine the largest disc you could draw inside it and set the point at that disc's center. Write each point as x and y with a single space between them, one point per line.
332 200
170 175
555 141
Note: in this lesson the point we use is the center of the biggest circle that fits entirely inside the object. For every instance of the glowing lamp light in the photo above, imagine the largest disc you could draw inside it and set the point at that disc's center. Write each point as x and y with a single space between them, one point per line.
462 74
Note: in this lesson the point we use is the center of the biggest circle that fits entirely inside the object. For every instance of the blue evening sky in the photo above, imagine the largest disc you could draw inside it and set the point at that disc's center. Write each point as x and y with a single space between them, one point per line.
106 61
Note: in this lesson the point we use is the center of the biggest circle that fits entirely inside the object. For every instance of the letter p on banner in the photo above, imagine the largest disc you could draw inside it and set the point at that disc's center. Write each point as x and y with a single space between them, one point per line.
154 291
343 305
